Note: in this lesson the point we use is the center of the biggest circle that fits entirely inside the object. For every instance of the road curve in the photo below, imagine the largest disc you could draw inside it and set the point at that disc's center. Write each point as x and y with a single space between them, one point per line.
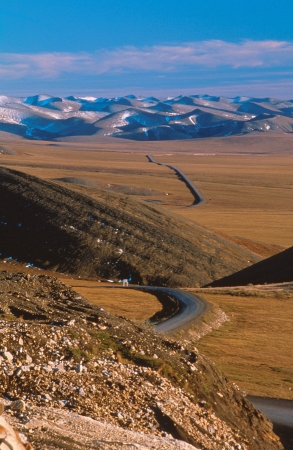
198 198
277 410
191 307
280 412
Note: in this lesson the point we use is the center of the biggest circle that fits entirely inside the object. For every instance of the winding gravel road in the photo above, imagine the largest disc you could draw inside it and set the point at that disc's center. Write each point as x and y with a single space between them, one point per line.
191 307
280 412
277 410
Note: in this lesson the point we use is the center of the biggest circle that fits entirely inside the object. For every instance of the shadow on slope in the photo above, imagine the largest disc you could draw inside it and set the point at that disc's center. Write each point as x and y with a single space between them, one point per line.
276 269
114 236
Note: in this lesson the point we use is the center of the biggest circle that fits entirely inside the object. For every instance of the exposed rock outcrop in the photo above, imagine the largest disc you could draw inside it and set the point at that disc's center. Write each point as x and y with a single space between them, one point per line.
58 351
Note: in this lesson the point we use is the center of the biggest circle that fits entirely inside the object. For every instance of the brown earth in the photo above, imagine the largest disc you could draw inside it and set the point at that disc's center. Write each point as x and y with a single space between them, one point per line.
258 217
110 236
133 304
246 180
78 357
276 269
257 337
247 195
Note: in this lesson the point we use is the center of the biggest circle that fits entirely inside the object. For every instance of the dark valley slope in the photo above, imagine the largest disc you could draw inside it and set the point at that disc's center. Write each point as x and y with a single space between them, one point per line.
276 269
50 226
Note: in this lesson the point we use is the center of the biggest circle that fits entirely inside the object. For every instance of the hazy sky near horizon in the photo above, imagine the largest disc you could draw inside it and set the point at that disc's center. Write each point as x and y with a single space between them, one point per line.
112 47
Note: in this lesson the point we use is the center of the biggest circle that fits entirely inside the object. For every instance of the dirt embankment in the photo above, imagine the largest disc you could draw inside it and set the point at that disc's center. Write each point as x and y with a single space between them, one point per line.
58 351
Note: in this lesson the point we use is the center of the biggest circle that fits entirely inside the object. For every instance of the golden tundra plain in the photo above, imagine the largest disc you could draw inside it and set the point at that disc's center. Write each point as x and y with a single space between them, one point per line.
247 184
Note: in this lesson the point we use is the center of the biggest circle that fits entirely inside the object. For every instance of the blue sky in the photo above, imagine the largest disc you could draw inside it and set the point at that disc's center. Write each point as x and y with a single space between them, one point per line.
116 47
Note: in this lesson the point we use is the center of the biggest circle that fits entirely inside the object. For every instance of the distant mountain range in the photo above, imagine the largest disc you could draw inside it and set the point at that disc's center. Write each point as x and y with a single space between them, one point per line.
44 117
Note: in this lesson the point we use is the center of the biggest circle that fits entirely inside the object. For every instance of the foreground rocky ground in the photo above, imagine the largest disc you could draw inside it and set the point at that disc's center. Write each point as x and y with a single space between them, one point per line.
73 376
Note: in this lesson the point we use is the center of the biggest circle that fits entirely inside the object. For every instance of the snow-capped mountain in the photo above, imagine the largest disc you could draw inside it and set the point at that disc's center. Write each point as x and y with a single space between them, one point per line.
45 117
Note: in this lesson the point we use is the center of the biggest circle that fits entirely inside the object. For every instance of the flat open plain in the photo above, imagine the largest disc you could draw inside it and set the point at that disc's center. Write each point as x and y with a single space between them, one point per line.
248 187
254 348
246 180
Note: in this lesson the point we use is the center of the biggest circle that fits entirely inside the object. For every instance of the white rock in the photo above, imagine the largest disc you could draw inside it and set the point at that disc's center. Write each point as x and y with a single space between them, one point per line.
81 392
8 356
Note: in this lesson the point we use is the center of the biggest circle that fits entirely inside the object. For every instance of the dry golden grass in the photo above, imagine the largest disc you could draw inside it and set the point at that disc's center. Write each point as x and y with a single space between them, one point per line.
247 196
125 302
246 180
255 347
103 167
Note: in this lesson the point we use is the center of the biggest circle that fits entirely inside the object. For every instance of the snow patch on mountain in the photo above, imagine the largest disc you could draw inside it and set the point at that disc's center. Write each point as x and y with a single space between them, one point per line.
47 117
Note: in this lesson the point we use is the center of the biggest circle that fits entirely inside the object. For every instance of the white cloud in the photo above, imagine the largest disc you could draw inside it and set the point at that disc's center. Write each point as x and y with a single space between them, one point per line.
160 58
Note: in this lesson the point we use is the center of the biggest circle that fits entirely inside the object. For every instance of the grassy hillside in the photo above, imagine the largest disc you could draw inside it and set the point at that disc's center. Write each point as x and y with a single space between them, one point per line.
112 236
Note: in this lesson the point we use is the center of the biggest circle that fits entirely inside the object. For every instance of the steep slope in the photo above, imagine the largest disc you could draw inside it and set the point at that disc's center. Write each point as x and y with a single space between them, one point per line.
77 357
51 226
276 269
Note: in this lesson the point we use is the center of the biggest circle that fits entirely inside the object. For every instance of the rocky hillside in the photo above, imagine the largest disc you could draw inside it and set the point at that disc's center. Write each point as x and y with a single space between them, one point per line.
54 227
60 355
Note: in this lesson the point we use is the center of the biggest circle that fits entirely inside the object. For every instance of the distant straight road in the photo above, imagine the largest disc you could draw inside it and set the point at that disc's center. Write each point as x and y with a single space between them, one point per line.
198 198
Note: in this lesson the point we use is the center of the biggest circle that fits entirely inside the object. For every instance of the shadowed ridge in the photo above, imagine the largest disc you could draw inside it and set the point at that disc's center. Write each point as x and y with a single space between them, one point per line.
276 269
111 236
